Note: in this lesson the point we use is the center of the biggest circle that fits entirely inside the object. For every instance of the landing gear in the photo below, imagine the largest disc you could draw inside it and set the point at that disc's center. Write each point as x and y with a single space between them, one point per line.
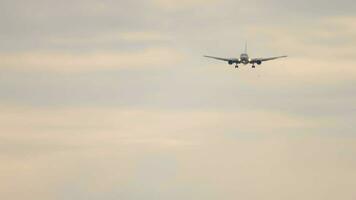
253 66
236 66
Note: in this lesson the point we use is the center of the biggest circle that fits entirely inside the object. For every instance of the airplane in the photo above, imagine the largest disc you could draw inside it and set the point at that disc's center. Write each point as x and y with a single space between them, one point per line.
245 59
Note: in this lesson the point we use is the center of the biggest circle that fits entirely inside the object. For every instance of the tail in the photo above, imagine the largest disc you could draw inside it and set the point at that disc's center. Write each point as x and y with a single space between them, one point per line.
245 47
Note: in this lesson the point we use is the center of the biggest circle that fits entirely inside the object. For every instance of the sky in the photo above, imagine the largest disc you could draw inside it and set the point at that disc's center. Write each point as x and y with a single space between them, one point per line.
113 100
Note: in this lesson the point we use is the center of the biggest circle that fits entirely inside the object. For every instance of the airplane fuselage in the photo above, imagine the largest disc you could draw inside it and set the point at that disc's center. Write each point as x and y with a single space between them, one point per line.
244 59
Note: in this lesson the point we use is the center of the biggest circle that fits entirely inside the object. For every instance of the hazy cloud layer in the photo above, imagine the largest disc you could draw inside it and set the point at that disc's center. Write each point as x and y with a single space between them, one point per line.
113 100
130 154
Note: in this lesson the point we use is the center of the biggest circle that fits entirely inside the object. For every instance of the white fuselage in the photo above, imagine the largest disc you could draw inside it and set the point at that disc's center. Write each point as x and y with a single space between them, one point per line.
244 59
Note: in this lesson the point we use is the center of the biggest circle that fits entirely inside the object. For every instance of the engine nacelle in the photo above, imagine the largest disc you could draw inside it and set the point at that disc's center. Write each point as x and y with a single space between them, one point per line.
230 62
258 62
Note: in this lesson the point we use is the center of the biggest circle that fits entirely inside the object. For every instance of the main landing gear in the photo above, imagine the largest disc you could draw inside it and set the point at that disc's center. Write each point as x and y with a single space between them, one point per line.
236 66
253 66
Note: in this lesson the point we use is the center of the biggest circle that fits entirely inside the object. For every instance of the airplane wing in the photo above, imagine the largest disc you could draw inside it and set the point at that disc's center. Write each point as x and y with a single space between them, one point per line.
255 60
230 60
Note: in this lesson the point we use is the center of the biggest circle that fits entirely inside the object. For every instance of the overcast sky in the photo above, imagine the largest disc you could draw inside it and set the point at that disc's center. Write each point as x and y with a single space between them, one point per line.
113 100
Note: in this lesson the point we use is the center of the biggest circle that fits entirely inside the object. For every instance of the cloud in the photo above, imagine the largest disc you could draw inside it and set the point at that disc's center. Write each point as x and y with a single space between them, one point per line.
328 38
121 124
183 4
110 37
322 51
74 62
126 154
28 132
135 126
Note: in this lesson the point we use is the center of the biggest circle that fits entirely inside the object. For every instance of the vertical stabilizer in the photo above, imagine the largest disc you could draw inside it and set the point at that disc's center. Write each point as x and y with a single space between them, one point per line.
245 47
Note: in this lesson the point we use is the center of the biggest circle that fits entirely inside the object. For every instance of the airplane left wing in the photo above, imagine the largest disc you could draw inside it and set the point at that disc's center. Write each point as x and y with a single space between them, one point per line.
259 60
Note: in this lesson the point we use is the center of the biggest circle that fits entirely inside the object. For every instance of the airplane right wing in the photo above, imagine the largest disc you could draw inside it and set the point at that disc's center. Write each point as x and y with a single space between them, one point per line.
229 60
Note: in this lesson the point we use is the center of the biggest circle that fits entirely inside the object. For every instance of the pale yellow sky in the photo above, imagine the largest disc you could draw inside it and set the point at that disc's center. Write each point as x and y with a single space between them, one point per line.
113 100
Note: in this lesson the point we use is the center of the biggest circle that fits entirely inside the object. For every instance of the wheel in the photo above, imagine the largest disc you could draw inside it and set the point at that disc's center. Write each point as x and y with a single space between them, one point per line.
236 66
253 66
